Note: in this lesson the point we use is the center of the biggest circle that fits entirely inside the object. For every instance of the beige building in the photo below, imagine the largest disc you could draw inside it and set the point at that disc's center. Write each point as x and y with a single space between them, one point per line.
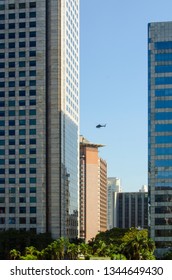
93 190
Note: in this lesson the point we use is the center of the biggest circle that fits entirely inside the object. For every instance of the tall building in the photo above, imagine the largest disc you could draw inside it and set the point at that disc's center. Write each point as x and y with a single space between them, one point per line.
132 209
39 116
160 132
93 190
113 187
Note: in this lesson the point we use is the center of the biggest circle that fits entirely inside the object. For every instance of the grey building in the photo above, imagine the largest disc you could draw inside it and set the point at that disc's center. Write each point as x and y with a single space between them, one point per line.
160 132
39 116
132 209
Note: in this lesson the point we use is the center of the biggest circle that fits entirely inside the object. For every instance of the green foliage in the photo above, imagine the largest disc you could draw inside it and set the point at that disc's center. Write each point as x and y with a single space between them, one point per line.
19 240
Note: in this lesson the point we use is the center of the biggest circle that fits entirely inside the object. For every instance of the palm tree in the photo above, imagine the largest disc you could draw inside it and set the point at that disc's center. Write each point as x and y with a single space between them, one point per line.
15 255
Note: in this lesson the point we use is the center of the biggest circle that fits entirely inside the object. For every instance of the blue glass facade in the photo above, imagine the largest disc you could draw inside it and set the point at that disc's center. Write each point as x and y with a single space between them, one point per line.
160 132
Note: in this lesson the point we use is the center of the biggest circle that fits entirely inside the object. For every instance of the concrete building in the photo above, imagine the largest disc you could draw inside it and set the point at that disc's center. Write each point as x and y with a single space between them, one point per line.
93 190
160 132
113 187
39 116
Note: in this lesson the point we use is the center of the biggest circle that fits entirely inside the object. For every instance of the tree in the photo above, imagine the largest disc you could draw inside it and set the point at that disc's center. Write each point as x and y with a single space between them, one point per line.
137 246
15 255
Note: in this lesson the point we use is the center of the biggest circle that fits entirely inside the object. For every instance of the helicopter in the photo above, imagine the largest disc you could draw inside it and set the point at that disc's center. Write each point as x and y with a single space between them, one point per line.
100 125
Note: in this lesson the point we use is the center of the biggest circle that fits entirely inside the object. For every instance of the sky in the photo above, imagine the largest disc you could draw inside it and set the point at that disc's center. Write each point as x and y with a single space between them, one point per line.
113 82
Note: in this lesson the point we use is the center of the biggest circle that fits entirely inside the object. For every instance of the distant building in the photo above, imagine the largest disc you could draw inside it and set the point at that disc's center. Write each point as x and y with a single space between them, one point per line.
93 190
132 209
113 186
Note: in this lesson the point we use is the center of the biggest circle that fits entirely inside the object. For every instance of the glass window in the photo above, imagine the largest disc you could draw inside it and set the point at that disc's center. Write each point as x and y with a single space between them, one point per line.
22 83
22 131
32 112
32 161
22 102
11 35
22 63
22 92
22 180
2 94
22 54
32 14
12 16
32 131
12 180
12 161
22 34
32 92
11 64
11 45
22 151
22 15
32 102
32 209
11 25
22 5
22 25
12 151
22 45
32 24
22 209
12 142
22 170
22 141
32 63
22 161
11 122
22 112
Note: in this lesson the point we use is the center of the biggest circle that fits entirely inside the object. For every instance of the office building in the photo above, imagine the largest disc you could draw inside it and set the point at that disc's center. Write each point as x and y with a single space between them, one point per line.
132 209
160 132
39 116
93 190
113 186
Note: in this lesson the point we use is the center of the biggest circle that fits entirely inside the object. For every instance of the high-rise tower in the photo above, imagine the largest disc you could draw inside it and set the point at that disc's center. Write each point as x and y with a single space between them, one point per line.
160 132
39 116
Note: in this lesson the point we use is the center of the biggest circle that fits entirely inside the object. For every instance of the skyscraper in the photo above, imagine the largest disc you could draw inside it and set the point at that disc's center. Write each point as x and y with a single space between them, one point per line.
39 116
93 190
160 132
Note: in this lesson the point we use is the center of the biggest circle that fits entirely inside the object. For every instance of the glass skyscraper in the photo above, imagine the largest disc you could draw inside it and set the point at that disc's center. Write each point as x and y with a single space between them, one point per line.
39 116
160 132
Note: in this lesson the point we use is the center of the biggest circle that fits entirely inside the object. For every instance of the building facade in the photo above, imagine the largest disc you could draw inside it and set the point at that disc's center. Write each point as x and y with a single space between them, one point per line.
93 190
132 209
39 116
113 187
160 132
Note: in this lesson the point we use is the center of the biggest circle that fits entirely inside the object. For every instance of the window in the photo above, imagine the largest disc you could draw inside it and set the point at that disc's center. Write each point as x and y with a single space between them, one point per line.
22 151
22 25
32 131
32 24
32 102
12 171
22 83
11 64
12 151
22 63
22 54
32 170
22 5
32 199
12 210
22 102
32 180
22 92
11 45
22 15
32 53
32 73
11 6
12 199
11 55
11 35
22 34
22 190
32 112
12 180
11 103
32 14
22 161
12 16
11 122
22 131
11 93
11 113
32 122
11 25
22 209
22 45
22 180
12 161
12 142
32 4
22 220
11 84
11 74
2 94
22 170
32 142
22 112
32 161
32 209
32 63
32 92
22 122
22 141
